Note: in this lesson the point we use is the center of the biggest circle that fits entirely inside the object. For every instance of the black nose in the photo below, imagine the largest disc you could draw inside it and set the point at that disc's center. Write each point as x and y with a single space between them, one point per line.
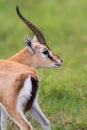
61 61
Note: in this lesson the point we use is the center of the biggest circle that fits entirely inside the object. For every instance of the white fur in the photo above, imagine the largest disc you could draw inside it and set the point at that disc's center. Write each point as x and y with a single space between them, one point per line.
37 113
35 110
6 115
25 94
3 119
34 40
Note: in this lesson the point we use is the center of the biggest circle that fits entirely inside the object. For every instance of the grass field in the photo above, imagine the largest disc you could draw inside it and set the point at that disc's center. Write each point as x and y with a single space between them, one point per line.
63 92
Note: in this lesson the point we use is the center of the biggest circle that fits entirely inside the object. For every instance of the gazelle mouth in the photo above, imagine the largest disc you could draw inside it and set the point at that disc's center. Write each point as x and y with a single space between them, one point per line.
58 64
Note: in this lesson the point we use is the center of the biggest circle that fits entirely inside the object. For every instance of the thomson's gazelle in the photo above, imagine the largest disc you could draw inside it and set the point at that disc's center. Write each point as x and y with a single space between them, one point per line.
19 82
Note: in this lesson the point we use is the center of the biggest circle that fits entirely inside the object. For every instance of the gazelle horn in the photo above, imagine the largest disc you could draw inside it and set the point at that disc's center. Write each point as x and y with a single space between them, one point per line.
35 30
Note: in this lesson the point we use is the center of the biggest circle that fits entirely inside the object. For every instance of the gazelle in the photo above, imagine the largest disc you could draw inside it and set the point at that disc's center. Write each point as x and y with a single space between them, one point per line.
19 82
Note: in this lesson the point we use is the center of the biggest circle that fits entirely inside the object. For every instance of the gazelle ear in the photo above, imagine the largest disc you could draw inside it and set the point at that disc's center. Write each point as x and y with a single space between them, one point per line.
34 39
29 44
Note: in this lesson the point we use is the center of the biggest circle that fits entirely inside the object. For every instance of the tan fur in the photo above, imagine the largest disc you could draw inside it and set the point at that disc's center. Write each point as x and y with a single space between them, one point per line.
25 57
14 72
12 77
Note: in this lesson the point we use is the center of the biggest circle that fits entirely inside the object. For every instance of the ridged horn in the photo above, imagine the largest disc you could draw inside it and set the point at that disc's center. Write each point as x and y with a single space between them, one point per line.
35 30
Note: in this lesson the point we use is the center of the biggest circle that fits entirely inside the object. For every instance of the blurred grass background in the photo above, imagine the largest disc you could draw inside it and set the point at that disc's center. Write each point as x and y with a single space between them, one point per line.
63 92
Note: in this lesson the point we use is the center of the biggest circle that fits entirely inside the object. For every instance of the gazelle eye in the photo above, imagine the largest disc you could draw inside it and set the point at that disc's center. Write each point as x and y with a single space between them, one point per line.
46 52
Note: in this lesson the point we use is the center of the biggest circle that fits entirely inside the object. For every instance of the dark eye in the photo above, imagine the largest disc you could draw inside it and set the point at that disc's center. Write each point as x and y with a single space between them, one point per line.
46 52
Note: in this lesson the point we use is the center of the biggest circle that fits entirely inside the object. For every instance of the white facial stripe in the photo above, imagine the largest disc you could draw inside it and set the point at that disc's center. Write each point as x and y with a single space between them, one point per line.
50 53
59 61
51 56
42 49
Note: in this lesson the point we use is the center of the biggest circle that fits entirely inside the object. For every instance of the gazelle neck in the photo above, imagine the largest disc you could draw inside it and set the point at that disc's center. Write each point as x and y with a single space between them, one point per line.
23 57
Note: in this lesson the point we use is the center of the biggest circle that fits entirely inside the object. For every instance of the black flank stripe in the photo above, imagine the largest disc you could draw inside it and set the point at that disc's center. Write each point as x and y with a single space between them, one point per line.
35 85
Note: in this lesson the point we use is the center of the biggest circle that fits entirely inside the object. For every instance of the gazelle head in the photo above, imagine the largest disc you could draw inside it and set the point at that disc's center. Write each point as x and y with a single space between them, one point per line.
42 56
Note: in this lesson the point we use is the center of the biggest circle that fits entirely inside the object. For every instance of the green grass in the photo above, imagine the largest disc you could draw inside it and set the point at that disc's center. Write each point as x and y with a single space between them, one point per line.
63 91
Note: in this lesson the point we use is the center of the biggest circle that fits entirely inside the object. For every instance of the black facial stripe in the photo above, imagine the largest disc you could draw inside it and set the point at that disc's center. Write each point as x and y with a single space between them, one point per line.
51 57
47 53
